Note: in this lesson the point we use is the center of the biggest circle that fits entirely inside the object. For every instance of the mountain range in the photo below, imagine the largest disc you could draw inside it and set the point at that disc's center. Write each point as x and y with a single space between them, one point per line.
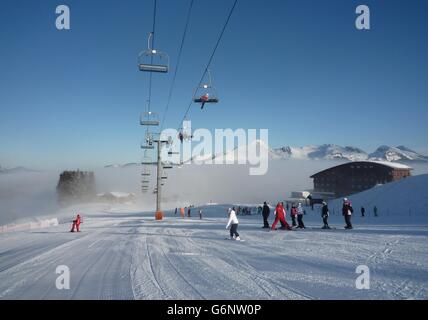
318 152
327 152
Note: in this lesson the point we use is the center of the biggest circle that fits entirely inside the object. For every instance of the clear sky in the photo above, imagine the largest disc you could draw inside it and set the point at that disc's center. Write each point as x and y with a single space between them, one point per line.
299 68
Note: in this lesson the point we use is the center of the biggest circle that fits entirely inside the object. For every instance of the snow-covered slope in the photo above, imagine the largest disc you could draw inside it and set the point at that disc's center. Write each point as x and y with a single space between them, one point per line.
126 254
399 153
398 200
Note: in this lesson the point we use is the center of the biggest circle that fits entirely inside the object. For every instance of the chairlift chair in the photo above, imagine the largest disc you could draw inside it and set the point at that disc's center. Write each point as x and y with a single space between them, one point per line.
149 118
206 93
152 60
147 160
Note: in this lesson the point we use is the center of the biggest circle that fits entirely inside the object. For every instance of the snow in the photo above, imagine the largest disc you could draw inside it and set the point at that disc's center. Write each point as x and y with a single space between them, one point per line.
116 194
123 253
394 165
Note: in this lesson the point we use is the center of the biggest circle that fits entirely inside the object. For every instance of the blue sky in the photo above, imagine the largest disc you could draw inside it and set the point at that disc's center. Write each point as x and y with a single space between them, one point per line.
299 68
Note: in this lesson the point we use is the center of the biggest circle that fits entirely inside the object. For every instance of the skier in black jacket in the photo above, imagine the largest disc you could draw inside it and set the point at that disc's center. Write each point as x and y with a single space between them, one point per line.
325 214
347 211
265 213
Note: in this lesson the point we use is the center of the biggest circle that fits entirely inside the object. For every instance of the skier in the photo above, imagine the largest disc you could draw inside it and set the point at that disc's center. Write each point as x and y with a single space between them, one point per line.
188 212
293 215
363 211
182 212
204 98
265 213
324 214
76 224
300 213
280 216
375 211
233 224
347 211
200 214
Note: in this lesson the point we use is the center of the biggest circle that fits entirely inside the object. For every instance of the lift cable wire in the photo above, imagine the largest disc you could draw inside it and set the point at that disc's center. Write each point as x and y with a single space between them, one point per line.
210 59
152 38
178 64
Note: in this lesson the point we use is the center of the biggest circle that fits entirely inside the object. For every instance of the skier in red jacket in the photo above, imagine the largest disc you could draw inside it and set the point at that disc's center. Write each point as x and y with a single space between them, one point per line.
76 224
293 215
280 216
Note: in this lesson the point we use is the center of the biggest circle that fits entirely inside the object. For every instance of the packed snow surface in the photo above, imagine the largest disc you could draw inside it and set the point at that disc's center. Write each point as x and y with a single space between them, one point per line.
123 253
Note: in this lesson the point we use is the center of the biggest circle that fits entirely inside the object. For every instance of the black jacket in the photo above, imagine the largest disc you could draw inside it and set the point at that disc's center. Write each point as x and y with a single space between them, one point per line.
347 207
266 210
324 211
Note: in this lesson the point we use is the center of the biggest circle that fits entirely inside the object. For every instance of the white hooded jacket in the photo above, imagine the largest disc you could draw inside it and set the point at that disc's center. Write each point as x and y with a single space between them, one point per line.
300 210
232 219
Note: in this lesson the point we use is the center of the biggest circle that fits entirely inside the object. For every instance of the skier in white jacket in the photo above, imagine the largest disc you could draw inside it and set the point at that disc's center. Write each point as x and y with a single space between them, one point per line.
233 223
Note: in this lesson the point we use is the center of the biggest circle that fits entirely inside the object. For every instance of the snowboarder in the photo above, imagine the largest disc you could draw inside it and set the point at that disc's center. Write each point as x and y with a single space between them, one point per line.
182 212
76 224
293 215
204 98
300 213
325 214
363 211
233 224
265 213
280 214
188 212
200 214
347 211
375 211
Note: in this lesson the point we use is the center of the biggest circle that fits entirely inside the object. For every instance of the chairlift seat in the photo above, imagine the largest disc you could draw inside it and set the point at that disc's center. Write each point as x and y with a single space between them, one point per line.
147 147
153 68
209 100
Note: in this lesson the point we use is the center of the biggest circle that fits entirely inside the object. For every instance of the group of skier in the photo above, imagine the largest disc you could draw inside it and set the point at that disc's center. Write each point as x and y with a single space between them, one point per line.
280 213
296 213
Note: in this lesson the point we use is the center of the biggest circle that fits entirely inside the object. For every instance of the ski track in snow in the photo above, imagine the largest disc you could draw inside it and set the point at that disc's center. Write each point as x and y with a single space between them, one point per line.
135 257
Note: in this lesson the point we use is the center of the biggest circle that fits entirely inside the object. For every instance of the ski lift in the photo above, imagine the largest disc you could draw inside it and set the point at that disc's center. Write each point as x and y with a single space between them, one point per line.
147 160
185 134
147 143
146 172
206 93
152 60
149 119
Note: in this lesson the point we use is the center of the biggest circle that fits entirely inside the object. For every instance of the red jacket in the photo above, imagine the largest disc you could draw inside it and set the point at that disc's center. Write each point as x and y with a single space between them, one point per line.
280 211
294 211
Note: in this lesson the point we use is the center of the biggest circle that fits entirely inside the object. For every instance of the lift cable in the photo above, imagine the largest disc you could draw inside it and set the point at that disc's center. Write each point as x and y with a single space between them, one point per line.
211 58
151 59
178 64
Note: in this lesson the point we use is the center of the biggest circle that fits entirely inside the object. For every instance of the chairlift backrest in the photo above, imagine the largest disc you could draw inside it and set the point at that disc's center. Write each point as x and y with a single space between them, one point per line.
152 60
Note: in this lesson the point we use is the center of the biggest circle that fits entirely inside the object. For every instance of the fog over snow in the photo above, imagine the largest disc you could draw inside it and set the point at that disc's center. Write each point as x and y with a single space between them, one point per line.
31 195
